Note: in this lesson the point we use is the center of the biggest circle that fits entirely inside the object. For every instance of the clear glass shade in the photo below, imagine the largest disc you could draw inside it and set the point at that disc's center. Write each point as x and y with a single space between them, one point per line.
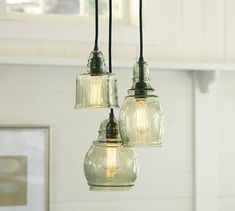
109 166
141 122
97 88
96 91
141 118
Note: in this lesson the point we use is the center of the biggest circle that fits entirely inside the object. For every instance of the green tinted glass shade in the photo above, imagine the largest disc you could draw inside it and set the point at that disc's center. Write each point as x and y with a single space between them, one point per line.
141 116
96 91
141 122
109 166
97 88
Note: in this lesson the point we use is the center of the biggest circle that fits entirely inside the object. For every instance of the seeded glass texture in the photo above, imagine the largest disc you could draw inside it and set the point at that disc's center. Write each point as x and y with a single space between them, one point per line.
108 166
97 90
141 118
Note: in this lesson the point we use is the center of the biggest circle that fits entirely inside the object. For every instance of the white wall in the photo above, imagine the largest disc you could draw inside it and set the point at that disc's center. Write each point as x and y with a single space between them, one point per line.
45 96
189 30
226 102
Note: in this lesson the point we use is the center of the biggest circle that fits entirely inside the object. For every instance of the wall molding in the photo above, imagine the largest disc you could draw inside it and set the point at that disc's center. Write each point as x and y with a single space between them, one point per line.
206 147
207 79
154 64
207 73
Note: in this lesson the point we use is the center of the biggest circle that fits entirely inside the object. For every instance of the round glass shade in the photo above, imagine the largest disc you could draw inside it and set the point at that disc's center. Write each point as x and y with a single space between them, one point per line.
97 88
108 165
141 116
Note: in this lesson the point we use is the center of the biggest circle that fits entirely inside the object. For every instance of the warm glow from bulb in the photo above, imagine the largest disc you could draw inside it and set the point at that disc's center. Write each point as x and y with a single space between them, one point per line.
142 123
112 162
96 91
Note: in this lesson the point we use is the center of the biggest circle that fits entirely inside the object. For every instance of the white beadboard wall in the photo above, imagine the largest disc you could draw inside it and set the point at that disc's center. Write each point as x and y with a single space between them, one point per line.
188 30
226 158
44 95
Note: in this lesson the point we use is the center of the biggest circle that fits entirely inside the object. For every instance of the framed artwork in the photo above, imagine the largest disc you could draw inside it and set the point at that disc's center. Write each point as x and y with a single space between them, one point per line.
24 168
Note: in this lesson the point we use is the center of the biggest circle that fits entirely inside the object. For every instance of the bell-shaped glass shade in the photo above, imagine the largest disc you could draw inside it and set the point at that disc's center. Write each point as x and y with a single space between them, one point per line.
141 121
109 166
97 88
141 116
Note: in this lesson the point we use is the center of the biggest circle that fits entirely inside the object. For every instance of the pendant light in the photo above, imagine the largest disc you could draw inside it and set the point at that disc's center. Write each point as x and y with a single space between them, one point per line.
97 88
108 165
141 117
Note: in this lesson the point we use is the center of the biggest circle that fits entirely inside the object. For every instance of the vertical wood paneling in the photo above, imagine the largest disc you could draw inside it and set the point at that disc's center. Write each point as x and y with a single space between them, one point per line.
19 47
206 149
192 29
229 30
227 204
189 30
170 29
226 171
213 31
2 9
151 205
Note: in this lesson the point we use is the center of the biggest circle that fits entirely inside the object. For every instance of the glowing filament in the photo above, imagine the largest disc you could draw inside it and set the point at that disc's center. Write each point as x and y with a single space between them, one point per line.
96 91
141 117
112 162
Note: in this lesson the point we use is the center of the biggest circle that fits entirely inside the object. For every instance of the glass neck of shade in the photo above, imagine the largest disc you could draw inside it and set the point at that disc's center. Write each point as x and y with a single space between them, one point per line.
109 132
141 87
96 64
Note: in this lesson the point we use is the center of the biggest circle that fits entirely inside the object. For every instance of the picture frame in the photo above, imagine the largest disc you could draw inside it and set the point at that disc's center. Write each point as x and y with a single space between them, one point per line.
24 168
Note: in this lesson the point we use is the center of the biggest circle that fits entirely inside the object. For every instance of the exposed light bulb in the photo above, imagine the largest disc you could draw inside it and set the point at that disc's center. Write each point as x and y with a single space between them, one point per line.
142 123
112 162
96 91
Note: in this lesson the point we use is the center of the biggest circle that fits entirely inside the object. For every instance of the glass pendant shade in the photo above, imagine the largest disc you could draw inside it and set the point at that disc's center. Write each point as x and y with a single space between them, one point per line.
141 116
97 88
108 165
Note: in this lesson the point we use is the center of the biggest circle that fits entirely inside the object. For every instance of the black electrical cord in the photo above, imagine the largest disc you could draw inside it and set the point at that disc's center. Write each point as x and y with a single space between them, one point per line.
112 112
110 35
96 25
141 86
110 43
141 58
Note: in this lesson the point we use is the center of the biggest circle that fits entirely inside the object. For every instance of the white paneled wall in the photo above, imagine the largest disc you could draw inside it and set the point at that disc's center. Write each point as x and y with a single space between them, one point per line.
43 95
189 30
226 102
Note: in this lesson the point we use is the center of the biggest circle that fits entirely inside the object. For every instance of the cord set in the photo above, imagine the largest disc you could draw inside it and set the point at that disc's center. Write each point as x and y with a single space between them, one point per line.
110 43
96 25
141 58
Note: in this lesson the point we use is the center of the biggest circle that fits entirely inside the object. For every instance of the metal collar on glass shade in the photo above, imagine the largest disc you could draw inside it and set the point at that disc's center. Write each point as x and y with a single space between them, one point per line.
97 88
108 165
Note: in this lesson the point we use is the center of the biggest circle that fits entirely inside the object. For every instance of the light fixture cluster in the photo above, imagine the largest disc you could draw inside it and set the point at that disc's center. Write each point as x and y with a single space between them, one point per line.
111 163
